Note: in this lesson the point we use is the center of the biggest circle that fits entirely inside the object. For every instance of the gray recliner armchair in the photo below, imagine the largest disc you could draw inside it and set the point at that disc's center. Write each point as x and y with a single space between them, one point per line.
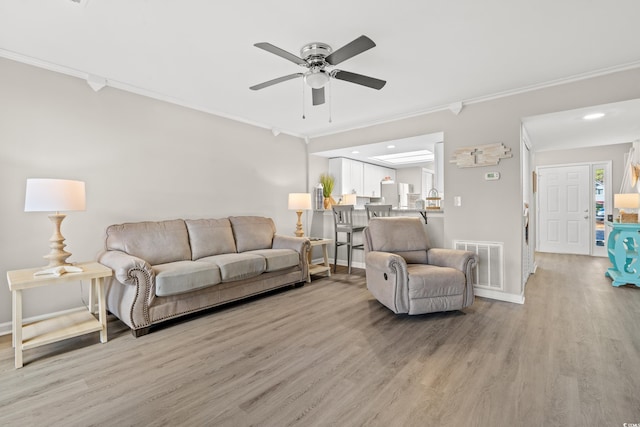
408 276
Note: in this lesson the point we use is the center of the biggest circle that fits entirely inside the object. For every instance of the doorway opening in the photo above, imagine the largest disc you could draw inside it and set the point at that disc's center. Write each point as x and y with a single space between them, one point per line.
573 201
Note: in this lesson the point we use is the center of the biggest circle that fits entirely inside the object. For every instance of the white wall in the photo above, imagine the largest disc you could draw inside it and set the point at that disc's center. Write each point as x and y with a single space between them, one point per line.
141 159
615 153
491 210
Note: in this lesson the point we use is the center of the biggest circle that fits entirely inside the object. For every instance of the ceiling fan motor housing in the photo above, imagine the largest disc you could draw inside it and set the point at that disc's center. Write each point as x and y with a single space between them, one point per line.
315 53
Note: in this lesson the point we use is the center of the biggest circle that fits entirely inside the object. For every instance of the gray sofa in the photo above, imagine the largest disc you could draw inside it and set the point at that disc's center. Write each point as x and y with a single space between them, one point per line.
408 276
167 269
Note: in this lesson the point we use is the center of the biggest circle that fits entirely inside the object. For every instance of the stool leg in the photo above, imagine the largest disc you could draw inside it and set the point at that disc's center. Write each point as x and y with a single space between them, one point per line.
349 252
335 254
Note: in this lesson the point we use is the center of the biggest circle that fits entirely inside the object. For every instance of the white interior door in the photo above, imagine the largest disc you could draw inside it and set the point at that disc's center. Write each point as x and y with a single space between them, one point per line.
564 209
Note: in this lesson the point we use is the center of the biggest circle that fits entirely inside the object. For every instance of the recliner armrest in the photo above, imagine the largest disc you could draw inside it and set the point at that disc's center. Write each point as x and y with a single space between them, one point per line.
387 277
453 258
464 261
384 261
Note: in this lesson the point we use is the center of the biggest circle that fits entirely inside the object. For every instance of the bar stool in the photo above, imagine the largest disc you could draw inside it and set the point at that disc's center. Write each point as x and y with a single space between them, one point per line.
374 211
343 223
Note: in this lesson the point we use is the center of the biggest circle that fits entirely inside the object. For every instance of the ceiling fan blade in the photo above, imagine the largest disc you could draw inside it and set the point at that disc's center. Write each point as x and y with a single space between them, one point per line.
350 50
359 79
281 52
275 81
318 96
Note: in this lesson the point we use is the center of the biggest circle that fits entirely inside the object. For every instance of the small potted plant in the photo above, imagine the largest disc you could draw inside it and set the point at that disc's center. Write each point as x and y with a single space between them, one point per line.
327 181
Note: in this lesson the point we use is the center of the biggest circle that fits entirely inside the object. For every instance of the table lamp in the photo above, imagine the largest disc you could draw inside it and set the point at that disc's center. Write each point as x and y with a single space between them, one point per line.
627 201
55 195
299 202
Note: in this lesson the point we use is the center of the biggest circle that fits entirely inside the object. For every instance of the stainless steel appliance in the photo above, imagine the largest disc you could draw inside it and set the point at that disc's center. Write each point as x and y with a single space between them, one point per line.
395 193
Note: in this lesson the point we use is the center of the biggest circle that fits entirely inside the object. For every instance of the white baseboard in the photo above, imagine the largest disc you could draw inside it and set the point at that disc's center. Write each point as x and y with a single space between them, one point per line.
501 296
5 328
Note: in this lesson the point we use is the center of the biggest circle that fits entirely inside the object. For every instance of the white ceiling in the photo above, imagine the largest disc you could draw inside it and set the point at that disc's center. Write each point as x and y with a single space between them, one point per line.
569 129
432 53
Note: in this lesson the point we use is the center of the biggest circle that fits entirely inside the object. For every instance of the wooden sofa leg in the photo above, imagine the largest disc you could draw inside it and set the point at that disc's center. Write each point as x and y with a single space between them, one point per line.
137 333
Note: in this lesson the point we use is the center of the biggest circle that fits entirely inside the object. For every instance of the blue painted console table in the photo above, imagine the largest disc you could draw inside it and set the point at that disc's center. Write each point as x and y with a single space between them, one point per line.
623 247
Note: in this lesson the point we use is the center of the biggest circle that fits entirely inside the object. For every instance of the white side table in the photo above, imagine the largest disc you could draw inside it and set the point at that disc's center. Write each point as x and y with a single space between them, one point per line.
60 327
325 267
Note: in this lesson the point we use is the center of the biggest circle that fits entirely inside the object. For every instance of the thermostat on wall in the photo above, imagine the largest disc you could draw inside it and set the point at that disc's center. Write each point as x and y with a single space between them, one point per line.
492 176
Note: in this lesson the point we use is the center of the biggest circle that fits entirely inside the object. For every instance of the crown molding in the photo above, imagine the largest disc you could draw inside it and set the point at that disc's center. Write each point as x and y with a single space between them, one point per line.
133 89
347 127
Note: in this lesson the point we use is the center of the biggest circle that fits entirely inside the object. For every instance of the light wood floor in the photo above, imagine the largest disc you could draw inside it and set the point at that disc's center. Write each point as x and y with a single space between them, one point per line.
329 354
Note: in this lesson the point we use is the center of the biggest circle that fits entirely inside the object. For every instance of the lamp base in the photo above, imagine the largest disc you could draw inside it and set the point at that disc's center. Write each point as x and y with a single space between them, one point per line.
299 230
58 256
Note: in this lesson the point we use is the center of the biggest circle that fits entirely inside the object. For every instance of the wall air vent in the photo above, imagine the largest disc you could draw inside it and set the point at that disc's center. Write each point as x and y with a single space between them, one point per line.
490 271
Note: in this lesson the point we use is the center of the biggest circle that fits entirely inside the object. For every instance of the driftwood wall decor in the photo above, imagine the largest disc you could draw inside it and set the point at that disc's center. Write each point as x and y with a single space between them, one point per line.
480 155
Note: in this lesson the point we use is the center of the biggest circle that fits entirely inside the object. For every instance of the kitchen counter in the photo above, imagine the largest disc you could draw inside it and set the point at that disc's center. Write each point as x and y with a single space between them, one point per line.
322 226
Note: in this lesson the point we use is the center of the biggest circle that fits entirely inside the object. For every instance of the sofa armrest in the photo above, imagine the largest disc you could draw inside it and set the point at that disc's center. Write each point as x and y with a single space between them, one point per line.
464 261
298 244
133 291
125 266
387 277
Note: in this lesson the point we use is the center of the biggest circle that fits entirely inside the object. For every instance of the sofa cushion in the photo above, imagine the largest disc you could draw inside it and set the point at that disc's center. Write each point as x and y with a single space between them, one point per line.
237 266
184 276
278 259
210 237
252 232
428 281
155 242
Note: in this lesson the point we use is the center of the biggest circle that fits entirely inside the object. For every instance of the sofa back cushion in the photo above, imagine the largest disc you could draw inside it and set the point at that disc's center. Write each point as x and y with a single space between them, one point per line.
210 237
252 232
404 236
155 242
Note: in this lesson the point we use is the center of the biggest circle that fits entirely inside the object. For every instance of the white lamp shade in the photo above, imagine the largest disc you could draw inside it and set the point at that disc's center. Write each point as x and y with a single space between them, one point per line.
299 201
626 201
54 195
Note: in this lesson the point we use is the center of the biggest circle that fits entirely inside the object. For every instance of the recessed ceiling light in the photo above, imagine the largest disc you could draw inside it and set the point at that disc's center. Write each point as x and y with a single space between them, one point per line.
593 116
391 146
355 152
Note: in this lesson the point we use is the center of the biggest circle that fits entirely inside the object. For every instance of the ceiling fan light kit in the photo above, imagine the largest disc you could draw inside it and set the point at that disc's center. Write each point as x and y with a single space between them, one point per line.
319 59
316 80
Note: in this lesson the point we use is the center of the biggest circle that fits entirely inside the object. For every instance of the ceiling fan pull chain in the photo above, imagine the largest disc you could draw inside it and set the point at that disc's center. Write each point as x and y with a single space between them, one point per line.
330 99
303 116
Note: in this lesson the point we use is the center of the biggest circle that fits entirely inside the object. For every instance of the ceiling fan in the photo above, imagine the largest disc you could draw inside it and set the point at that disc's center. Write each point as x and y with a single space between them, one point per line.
319 60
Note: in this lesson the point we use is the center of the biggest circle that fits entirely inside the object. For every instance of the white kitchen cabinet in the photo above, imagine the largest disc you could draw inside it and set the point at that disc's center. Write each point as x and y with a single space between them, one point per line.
371 180
349 176
373 174
359 177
